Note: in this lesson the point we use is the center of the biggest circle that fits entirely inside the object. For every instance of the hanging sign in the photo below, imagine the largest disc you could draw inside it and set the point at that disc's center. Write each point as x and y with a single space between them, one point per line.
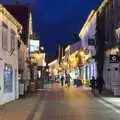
114 59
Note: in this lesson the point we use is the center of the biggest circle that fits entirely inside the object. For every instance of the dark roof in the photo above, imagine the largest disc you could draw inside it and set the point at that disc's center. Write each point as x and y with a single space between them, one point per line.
21 13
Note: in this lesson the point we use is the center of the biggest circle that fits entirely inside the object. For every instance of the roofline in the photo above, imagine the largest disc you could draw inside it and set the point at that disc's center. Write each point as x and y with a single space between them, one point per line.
102 5
52 62
9 16
89 18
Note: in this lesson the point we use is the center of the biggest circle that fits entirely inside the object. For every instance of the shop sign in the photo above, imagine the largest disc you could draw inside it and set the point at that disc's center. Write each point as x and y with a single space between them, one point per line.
34 46
114 59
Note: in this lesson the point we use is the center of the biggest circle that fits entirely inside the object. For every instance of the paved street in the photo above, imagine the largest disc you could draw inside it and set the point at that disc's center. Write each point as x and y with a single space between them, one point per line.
21 109
58 103
52 52
74 104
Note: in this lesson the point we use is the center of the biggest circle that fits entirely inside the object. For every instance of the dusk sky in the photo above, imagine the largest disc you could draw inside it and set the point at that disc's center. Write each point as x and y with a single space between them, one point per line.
56 20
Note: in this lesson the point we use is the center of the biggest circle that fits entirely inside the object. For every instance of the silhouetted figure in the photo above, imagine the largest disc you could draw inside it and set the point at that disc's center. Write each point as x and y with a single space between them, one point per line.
79 83
75 82
67 81
100 83
62 81
93 84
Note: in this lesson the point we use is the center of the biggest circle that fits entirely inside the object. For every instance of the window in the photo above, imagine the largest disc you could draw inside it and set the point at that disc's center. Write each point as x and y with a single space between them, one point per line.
117 34
13 38
8 78
4 36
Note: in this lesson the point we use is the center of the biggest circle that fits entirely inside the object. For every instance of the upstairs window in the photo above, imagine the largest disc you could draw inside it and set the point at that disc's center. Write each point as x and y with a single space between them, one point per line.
4 36
13 39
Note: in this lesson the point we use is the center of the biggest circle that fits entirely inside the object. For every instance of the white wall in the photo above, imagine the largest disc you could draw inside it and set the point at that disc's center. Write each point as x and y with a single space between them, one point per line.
88 32
112 76
12 60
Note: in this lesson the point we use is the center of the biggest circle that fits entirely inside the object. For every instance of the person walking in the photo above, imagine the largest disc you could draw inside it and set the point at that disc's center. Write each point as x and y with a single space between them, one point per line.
100 83
68 80
62 80
93 84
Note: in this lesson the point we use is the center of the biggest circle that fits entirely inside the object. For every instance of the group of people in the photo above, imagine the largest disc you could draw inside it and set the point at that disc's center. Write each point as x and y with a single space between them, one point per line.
94 83
67 80
97 84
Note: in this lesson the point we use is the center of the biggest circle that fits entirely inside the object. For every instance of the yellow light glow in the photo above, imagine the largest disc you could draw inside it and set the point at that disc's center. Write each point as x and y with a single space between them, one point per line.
67 48
113 51
117 31
38 58
81 53
4 11
53 62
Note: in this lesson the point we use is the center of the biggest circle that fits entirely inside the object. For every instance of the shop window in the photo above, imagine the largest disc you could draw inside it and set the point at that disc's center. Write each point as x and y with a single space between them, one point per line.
8 78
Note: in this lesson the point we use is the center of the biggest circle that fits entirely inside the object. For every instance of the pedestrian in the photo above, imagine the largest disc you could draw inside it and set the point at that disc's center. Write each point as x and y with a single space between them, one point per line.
100 83
75 82
93 84
68 80
62 80
78 82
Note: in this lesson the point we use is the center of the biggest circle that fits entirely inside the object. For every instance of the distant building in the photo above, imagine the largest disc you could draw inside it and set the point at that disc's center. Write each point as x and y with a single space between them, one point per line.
75 60
53 69
88 46
38 65
9 36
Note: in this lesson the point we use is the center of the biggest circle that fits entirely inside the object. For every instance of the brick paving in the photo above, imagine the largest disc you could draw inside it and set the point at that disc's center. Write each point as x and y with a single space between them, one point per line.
73 104
20 109
61 104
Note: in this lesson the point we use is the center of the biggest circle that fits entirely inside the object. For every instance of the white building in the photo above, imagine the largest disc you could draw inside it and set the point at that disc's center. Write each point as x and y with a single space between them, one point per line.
53 65
88 41
23 14
8 56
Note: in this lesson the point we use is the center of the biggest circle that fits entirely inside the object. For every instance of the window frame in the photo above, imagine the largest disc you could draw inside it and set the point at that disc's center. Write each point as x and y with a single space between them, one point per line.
12 39
8 78
4 36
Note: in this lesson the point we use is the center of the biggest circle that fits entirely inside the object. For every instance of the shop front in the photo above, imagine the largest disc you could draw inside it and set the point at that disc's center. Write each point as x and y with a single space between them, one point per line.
111 72
92 69
8 83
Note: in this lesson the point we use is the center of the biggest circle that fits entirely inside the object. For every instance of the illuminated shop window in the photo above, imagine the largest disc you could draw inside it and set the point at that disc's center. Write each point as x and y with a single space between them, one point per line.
8 79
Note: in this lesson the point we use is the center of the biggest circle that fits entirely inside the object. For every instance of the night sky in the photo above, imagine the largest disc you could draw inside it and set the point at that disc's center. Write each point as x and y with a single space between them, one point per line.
56 20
